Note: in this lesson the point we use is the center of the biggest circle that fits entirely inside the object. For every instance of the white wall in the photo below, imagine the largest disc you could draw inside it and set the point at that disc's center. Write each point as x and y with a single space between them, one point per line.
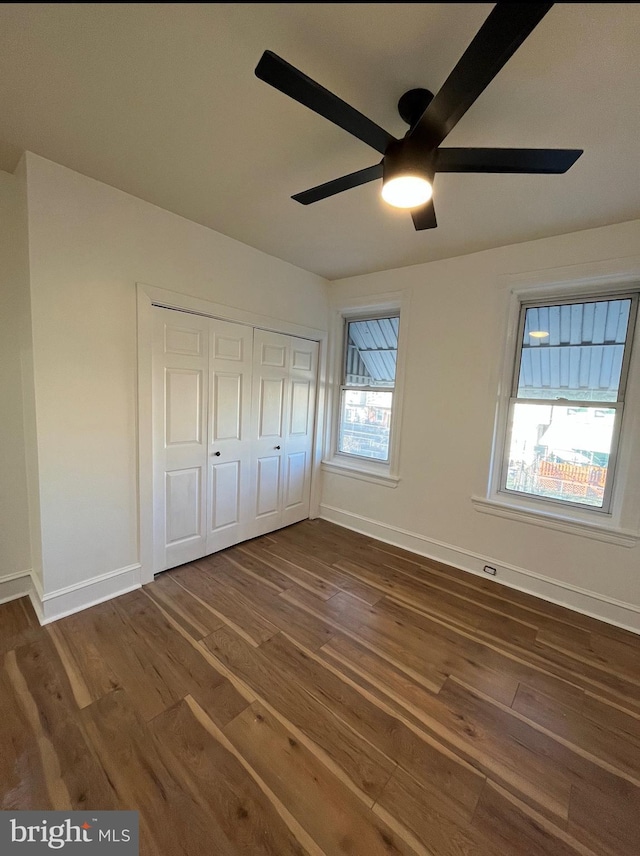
454 355
15 551
89 245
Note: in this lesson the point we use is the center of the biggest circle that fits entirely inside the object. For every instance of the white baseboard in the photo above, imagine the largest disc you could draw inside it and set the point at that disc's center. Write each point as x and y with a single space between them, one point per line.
617 612
13 586
51 606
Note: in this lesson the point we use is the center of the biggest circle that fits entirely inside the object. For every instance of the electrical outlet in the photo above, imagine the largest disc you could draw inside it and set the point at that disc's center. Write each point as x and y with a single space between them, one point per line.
489 570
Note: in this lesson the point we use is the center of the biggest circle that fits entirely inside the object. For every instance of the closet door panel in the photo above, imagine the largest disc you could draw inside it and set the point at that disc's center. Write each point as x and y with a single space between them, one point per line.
270 409
268 486
183 397
230 371
284 377
299 435
179 366
183 507
295 481
226 495
227 406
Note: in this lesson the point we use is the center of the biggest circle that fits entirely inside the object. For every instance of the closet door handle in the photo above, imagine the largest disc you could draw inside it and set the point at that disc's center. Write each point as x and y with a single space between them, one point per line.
276 447
217 454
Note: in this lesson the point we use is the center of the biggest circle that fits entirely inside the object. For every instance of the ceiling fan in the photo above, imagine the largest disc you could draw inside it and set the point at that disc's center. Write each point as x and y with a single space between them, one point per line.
408 165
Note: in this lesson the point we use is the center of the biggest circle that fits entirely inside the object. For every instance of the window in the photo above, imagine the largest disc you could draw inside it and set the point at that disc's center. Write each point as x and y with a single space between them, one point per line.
567 400
368 387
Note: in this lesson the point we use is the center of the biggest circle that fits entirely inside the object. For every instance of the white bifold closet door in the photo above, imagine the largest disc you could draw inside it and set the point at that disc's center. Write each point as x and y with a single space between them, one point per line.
233 433
284 378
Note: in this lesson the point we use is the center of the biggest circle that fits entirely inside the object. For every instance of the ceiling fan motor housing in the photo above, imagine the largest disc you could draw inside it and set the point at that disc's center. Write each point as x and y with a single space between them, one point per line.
408 157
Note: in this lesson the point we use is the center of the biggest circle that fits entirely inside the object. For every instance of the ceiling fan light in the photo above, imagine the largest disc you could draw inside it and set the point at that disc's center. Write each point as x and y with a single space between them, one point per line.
407 191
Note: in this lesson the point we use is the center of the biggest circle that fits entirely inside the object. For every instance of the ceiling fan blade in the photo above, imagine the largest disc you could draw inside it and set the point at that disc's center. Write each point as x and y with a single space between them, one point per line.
283 76
506 28
345 182
424 217
540 161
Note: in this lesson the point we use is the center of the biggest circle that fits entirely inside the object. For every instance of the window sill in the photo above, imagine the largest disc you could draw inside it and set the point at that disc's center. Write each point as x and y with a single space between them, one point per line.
360 472
521 514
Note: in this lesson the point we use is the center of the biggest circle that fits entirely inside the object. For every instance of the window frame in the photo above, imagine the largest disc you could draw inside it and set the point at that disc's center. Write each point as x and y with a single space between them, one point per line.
618 405
621 524
344 387
383 473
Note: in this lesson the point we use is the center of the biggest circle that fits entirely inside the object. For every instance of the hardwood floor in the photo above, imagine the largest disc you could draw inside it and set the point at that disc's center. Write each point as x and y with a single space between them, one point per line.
318 692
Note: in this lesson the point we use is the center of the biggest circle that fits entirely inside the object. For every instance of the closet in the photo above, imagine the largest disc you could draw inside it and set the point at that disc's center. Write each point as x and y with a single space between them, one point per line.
233 426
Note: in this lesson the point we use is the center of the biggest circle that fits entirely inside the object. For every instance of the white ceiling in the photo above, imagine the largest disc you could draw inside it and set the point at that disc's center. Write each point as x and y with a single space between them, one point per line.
160 100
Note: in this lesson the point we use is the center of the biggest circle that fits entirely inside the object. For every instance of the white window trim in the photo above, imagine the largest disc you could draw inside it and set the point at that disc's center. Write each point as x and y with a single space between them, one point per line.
385 473
621 524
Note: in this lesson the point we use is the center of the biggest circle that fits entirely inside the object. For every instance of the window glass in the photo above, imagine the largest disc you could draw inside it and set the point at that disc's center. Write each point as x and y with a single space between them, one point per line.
566 407
366 405
574 350
560 452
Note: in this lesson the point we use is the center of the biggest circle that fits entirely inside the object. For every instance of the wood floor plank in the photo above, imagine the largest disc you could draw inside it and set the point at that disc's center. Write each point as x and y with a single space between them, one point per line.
319 586
307 629
317 692
622 754
323 571
330 813
232 610
509 826
608 823
248 557
368 768
137 667
479 741
442 833
83 641
429 649
422 757
396 684
23 783
601 678
600 652
469 609
19 624
447 723
180 664
503 671
172 819
197 619
240 808
66 654
571 761
549 663
151 634
74 778
615 719
425 675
